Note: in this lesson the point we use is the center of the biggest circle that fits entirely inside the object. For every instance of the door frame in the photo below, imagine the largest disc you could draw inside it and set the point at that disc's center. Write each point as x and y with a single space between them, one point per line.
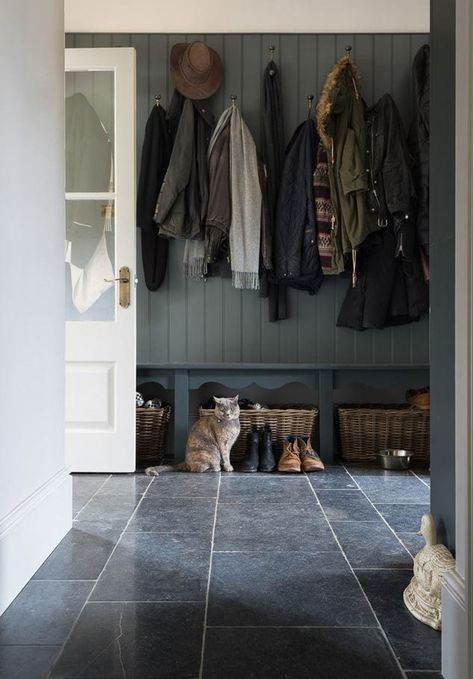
457 595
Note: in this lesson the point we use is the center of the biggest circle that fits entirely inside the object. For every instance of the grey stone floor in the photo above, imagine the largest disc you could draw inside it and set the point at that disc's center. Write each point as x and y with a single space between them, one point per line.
231 576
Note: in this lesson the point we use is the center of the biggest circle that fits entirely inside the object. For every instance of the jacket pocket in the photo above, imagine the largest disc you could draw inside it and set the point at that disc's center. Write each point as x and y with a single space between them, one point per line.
353 174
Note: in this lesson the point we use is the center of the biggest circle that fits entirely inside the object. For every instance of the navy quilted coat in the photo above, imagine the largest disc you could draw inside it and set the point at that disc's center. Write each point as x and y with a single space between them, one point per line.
296 257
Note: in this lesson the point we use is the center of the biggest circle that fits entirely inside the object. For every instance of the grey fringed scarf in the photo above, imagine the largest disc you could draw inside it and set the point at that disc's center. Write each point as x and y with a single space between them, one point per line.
244 236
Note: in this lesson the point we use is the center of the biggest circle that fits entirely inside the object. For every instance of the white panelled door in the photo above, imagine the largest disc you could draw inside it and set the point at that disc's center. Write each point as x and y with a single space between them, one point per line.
100 247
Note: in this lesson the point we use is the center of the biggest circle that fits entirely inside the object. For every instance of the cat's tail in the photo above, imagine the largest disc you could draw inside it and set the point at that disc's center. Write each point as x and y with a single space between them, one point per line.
155 471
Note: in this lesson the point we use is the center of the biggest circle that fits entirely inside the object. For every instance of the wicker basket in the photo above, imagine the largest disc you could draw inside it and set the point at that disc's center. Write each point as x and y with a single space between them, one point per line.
365 430
152 428
283 421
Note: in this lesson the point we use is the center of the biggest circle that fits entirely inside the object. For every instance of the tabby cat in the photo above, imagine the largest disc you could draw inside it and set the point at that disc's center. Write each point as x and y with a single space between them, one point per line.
209 441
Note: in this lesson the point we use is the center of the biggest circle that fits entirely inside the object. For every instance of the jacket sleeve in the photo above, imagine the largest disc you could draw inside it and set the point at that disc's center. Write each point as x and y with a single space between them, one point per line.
397 179
177 175
396 174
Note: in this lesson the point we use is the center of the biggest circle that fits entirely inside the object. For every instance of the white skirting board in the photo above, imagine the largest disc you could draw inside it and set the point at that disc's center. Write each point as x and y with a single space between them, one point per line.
30 532
454 634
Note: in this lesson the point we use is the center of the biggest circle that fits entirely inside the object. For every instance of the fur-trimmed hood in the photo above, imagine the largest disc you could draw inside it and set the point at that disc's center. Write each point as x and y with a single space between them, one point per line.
334 85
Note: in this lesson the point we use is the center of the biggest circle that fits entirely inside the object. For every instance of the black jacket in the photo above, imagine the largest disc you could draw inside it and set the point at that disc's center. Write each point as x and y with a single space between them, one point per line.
155 158
419 142
296 256
273 150
389 287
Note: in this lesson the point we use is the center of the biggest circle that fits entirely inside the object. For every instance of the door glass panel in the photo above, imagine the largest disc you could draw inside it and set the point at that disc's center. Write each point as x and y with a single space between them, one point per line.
90 258
89 131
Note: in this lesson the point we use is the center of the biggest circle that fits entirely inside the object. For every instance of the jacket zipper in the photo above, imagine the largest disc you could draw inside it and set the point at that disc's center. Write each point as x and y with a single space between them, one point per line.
374 191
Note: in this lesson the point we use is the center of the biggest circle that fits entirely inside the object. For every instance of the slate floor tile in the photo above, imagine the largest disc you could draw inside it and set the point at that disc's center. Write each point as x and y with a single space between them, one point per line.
170 515
347 505
248 487
403 517
142 640
261 527
43 613
417 645
371 545
332 477
81 554
291 589
184 485
114 510
27 662
399 490
423 474
78 503
156 567
412 542
298 654
125 484
87 484
84 486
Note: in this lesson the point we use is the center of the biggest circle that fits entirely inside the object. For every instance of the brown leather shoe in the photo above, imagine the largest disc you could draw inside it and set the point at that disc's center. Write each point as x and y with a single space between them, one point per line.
290 458
310 460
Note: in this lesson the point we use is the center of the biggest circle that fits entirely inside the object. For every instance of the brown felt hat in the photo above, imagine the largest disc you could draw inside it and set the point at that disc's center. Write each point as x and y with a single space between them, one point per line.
196 69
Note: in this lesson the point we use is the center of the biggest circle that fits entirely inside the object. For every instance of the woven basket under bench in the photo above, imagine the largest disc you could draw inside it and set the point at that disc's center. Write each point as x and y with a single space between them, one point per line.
151 430
365 430
283 421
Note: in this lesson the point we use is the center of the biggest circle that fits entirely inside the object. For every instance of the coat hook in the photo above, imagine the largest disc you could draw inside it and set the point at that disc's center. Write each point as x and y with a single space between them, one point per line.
157 99
233 99
349 51
271 49
310 98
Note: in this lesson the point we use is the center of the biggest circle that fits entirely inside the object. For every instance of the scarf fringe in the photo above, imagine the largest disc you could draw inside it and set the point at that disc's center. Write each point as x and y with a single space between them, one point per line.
197 269
247 280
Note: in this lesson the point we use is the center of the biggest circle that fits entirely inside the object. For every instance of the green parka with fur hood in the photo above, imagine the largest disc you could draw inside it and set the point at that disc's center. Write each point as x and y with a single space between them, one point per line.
341 127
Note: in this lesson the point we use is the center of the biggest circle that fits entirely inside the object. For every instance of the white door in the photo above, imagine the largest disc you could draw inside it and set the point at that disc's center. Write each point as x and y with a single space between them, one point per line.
100 241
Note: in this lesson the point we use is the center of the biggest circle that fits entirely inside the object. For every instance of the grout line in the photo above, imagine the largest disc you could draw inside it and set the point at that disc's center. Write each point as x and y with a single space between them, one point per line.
206 609
33 579
95 584
382 631
374 568
92 496
420 479
292 627
381 515
146 601
275 551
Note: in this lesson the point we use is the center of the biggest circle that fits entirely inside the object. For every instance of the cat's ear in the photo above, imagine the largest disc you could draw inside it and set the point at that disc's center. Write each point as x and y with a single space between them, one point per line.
217 400
236 399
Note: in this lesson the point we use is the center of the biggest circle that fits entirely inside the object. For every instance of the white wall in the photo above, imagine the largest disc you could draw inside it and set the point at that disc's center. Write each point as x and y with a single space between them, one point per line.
35 488
247 16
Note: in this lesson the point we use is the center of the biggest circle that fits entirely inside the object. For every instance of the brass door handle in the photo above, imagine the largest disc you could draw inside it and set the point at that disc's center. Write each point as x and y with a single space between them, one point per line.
124 287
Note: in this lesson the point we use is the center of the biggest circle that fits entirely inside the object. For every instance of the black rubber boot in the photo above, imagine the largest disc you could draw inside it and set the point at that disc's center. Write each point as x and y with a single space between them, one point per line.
250 462
267 458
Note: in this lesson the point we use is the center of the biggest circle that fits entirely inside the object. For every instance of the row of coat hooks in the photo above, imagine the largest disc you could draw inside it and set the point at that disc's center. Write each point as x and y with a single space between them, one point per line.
271 49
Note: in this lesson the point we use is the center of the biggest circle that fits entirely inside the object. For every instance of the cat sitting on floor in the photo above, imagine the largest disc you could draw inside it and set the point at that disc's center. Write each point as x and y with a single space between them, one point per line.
209 441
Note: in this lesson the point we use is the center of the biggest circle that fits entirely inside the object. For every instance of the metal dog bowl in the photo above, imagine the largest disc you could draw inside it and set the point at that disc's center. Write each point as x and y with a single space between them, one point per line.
393 459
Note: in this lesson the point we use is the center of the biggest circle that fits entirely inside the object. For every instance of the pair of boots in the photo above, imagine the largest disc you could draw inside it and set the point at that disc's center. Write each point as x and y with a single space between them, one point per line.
259 455
298 456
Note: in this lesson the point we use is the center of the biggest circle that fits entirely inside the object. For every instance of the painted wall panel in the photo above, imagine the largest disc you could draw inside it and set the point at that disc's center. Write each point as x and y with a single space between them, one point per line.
248 16
192 322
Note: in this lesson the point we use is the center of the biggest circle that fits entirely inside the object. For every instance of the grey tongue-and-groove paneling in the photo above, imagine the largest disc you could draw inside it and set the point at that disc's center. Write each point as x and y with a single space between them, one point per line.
192 322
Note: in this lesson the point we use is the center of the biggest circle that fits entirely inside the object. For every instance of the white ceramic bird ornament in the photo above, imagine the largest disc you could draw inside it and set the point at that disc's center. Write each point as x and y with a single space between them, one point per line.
422 597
